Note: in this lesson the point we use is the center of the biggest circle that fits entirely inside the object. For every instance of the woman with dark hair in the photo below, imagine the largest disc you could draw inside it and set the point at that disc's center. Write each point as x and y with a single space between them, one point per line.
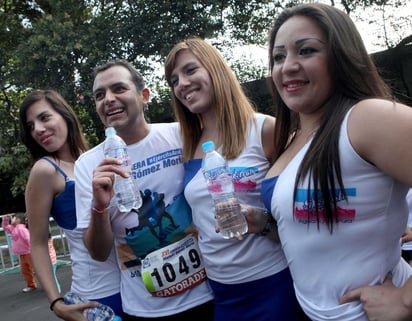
343 153
52 133
76 143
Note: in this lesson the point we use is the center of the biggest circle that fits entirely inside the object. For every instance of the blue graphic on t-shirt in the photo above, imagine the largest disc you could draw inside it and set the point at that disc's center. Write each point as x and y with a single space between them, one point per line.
159 225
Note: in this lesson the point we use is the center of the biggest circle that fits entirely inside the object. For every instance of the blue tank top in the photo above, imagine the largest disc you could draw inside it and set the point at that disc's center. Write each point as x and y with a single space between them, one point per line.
63 209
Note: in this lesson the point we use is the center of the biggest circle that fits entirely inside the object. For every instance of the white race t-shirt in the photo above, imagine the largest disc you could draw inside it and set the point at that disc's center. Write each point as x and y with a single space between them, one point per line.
163 219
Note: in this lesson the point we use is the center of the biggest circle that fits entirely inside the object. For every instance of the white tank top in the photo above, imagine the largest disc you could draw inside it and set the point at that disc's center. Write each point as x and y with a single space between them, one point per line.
364 245
233 261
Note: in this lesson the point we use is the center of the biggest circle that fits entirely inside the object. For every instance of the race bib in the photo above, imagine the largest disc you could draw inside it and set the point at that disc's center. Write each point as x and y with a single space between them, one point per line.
173 269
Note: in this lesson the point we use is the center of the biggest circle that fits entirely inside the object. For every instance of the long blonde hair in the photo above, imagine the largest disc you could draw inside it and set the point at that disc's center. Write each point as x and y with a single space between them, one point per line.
233 108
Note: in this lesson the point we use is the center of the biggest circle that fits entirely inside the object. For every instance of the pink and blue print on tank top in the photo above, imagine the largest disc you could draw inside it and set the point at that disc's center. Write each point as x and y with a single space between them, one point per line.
241 177
305 207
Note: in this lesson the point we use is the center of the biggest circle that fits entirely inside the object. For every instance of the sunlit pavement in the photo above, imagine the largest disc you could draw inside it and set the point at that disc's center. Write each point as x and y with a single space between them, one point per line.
32 306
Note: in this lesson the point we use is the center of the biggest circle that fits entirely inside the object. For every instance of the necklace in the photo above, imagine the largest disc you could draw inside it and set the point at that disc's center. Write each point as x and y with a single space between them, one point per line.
308 135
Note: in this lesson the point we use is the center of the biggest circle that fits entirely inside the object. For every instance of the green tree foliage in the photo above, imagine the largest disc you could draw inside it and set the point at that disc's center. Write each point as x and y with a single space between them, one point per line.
57 43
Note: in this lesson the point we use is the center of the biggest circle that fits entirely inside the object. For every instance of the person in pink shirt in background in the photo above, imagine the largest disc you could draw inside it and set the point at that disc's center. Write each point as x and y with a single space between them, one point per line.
20 246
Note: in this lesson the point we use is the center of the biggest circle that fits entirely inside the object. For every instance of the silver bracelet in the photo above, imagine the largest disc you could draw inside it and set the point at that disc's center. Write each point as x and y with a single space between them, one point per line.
269 224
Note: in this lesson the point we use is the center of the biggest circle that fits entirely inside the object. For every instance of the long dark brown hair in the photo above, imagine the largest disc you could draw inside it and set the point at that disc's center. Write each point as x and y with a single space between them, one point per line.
76 140
354 78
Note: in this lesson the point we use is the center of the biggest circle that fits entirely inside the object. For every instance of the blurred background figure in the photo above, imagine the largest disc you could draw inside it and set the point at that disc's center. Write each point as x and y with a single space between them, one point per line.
16 227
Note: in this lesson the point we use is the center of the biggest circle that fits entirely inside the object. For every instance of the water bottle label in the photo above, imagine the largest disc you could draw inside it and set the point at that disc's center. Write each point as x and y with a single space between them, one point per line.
173 269
218 180
119 153
215 173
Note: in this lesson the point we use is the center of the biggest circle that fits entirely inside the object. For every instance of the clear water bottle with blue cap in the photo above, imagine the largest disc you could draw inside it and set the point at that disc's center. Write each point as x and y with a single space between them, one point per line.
126 190
219 182
100 313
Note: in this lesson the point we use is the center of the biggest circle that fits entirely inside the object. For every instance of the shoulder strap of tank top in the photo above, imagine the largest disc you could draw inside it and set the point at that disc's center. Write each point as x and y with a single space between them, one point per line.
56 167
255 126
260 118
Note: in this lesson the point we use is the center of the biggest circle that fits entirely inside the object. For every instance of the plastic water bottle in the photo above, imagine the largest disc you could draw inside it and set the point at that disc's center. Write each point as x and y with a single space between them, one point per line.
126 191
100 313
219 182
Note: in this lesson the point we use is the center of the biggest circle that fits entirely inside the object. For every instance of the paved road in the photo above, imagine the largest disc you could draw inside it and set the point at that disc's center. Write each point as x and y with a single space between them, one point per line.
32 306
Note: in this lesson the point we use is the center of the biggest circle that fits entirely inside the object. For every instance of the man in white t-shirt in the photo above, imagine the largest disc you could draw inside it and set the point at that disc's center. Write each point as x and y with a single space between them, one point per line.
162 273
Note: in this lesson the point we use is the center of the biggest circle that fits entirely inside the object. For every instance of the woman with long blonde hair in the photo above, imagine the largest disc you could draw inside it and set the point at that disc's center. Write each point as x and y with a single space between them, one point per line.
249 277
